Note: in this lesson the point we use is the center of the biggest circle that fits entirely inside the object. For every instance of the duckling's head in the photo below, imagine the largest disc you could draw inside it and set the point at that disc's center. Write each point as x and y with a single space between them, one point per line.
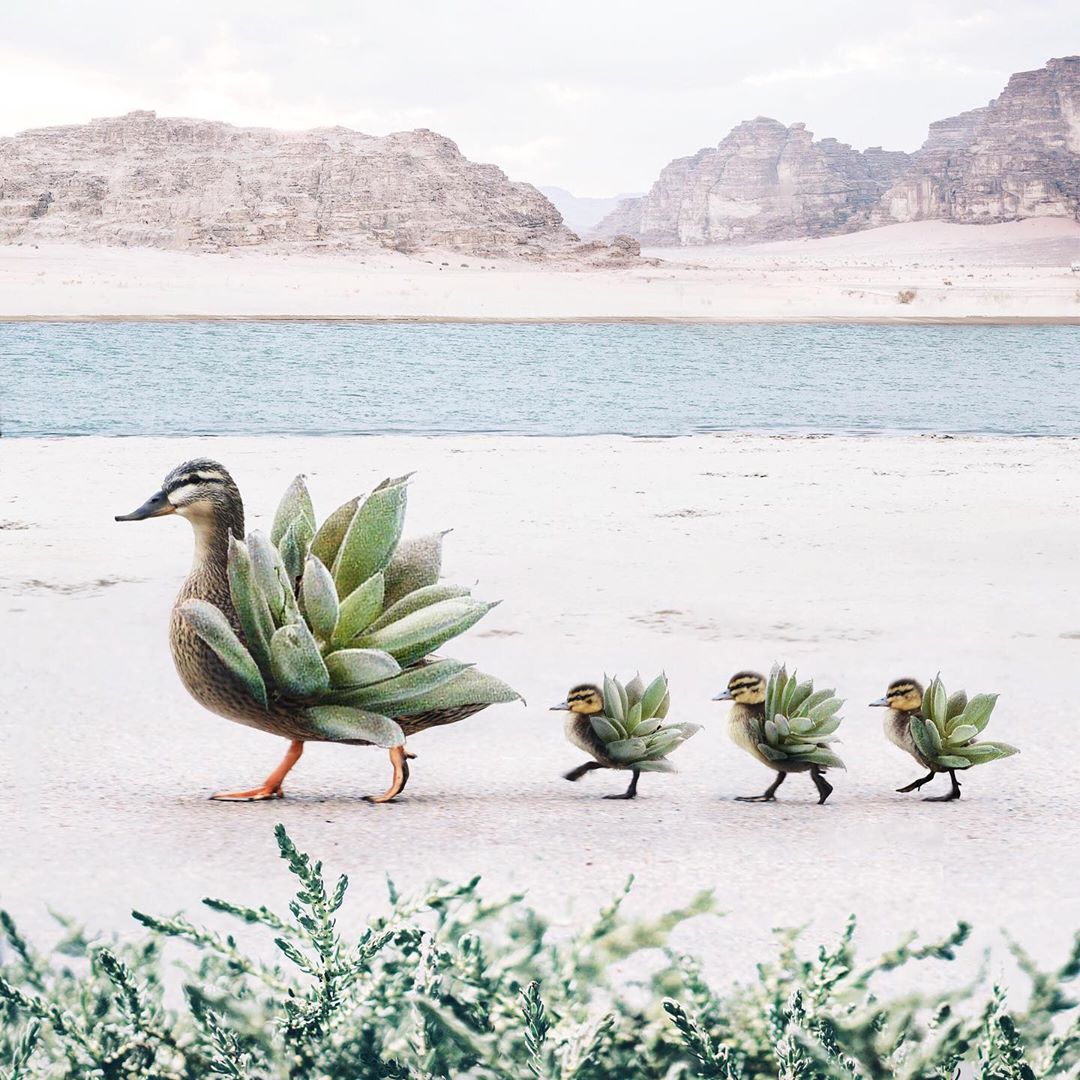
198 490
744 688
903 695
585 699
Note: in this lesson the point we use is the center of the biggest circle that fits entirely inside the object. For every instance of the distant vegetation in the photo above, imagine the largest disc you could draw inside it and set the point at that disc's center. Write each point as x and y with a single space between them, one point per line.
450 985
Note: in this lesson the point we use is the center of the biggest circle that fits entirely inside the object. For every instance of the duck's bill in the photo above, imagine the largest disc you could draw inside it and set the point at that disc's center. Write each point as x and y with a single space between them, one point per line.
727 695
156 506
563 706
881 703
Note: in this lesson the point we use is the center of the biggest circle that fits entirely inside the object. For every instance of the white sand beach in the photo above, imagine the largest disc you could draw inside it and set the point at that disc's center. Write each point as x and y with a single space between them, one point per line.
922 271
856 560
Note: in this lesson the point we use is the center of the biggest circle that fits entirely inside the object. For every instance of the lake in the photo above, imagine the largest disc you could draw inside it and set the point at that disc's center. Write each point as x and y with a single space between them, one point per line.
535 379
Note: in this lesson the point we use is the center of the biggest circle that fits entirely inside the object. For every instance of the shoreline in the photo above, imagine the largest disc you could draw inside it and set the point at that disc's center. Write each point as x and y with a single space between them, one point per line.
572 320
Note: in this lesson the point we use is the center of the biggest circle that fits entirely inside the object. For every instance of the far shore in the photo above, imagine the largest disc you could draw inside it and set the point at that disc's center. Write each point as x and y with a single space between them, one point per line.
918 273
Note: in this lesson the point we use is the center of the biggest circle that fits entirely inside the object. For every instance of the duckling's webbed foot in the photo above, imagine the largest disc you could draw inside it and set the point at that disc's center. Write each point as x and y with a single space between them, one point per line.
271 786
954 791
399 759
581 770
770 792
916 785
825 789
631 791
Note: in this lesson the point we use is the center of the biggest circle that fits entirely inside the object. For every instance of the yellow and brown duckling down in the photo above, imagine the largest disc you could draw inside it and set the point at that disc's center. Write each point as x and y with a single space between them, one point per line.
785 744
317 634
939 731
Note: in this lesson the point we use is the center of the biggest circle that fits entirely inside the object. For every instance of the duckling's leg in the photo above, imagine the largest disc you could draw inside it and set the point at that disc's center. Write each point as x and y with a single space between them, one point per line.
271 788
916 785
581 770
770 792
954 792
825 789
399 758
631 791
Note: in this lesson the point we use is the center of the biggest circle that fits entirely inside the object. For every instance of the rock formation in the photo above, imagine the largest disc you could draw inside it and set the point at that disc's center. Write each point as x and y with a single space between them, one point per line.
1017 157
154 181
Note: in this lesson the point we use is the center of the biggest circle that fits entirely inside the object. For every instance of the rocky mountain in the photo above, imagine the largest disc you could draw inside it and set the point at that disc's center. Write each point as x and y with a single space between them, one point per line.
1017 157
146 180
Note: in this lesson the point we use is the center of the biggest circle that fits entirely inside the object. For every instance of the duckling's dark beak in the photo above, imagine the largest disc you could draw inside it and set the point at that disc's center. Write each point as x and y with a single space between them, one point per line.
563 706
156 506
881 703
727 695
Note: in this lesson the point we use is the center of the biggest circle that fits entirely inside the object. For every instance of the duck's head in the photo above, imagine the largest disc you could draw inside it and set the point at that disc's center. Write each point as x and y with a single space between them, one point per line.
584 698
201 490
903 695
744 688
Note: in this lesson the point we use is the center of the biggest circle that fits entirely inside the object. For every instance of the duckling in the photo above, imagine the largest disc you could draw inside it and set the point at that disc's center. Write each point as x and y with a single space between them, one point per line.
939 731
747 729
582 702
903 699
203 492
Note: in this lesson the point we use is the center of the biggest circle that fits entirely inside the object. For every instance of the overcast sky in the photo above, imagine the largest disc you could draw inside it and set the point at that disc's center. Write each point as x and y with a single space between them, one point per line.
592 95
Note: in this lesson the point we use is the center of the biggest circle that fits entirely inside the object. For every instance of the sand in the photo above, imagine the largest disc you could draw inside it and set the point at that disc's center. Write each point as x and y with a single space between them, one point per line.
923 271
855 559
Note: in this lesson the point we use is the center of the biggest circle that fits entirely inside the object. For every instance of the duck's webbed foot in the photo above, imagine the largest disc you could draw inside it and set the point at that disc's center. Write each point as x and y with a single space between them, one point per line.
825 789
399 759
271 786
770 791
581 770
954 791
916 785
631 791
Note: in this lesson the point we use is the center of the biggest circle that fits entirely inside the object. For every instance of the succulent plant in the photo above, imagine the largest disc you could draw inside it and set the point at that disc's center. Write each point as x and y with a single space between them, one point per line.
342 620
800 722
946 728
632 726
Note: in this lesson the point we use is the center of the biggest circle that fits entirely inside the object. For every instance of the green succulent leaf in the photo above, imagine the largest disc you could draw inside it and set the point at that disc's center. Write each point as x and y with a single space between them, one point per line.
664 706
358 611
653 697
250 604
360 667
269 574
923 744
470 687
372 536
340 723
415 564
633 718
613 700
956 704
655 765
934 703
953 761
213 628
295 503
773 753
772 733
826 759
978 710
296 664
963 733
419 680
605 729
327 540
414 601
626 750
414 637
635 690
319 599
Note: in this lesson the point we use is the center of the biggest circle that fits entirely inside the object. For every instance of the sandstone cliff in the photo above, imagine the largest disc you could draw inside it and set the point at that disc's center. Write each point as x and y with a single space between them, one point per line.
1018 157
146 180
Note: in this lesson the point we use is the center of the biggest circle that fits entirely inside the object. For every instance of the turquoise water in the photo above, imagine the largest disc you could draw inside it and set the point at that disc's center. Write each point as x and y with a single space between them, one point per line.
546 379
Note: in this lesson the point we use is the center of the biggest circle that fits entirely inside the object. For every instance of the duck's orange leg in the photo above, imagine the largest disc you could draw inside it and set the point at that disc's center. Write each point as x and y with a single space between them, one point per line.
271 786
399 758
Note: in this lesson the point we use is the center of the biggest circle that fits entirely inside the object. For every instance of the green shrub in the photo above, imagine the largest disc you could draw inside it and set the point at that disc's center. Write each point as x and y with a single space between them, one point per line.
449 984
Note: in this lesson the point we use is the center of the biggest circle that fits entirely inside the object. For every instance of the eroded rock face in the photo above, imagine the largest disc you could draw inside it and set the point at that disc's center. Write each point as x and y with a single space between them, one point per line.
764 181
1017 157
146 180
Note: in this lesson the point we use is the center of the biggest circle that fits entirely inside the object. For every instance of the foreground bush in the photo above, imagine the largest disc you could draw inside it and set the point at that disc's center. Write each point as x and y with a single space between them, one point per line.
451 985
